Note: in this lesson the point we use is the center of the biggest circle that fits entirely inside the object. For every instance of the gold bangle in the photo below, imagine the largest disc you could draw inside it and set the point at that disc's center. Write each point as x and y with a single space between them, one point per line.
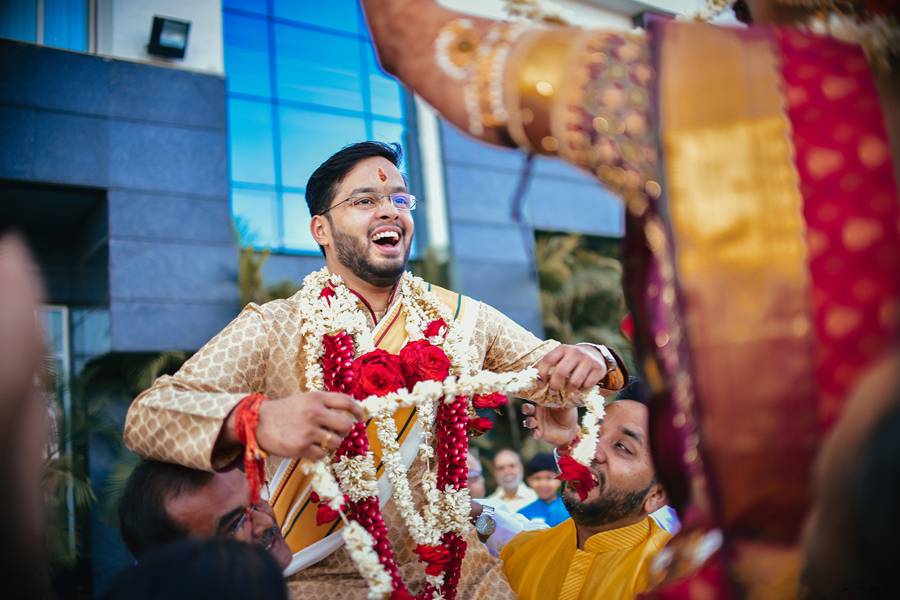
534 79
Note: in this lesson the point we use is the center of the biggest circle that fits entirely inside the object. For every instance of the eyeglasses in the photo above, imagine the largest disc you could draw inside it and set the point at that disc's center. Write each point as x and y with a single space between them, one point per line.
369 201
237 526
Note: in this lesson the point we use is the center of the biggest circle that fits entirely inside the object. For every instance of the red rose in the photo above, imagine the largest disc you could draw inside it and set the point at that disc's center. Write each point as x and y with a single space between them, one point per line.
324 513
436 557
423 361
435 328
576 474
495 400
402 594
480 425
378 373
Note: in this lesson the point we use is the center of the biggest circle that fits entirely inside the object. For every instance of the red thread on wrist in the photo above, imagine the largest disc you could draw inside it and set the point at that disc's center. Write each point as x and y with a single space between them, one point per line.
246 419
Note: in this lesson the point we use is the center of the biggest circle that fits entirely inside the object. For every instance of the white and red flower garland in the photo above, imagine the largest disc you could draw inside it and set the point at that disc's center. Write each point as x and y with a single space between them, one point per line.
436 372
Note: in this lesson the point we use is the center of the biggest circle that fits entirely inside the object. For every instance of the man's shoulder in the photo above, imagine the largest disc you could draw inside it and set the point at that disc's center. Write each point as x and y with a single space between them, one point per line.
452 301
523 542
279 306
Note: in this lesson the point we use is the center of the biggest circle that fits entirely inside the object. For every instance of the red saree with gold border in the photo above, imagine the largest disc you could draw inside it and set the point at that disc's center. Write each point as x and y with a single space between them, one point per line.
765 279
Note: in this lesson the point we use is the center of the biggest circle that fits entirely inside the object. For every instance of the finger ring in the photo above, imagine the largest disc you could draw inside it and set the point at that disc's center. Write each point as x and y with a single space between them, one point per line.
326 441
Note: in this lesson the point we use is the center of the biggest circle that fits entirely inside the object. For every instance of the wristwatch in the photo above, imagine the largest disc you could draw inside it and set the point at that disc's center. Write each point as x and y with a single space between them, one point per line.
485 525
612 365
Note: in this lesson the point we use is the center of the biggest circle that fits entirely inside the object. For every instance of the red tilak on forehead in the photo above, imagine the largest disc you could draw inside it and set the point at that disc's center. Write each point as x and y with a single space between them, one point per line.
382 175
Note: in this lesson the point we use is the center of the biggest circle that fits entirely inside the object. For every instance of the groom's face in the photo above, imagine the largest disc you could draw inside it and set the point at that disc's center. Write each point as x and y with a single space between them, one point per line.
373 241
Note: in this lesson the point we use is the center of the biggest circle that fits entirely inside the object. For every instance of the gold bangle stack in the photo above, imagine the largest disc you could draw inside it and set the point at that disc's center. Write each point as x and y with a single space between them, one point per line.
479 61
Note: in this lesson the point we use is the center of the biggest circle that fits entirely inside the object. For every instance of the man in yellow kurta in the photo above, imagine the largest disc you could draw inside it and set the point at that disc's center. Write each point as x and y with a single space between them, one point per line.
604 551
361 218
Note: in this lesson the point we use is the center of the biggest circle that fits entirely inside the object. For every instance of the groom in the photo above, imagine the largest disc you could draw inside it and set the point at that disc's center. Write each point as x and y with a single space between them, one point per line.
361 218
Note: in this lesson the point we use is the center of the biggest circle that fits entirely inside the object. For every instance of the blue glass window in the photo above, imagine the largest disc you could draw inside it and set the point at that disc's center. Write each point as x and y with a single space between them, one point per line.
340 15
247 54
386 94
309 137
318 68
303 82
385 131
256 6
296 222
256 217
18 20
250 128
66 24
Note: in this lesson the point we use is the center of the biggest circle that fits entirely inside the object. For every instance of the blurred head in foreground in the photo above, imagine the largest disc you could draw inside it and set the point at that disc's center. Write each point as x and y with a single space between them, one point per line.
852 536
202 570
23 424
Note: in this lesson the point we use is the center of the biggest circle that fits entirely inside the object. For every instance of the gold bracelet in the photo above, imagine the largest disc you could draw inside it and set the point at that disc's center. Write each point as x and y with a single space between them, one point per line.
465 54
531 92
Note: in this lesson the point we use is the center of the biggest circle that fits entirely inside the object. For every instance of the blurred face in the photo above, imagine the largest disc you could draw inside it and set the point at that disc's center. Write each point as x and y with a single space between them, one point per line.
373 243
23 411
623 468
508 470
545 484
828 532
218 509
476 478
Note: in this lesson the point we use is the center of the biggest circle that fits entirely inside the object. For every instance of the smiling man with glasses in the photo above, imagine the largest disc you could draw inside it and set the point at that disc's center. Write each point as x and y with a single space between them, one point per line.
361 217
164 503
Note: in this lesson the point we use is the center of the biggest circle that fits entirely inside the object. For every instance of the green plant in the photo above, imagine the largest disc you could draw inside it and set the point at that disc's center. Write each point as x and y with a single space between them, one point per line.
581 290
97 397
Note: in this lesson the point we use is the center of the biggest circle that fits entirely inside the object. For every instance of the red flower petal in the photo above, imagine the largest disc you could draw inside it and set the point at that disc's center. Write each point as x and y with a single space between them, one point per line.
423 361
480 425
436 557
494 400
325 514
577 474
327 293
436 327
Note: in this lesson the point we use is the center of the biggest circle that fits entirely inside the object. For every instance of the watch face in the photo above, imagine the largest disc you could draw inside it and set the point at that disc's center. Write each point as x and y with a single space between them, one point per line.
485 524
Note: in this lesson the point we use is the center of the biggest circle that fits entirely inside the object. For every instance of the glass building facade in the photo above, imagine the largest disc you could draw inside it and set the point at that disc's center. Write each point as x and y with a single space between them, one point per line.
56 23
302 81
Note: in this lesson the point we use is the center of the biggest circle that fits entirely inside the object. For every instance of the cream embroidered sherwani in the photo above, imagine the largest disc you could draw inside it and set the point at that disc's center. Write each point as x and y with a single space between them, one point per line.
179 419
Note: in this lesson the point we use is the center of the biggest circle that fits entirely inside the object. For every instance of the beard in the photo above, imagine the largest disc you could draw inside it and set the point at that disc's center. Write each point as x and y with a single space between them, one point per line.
351 252
611 507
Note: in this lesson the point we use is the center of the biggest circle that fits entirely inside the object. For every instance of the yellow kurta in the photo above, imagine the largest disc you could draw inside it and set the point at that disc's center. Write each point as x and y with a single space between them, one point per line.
547 564
179 419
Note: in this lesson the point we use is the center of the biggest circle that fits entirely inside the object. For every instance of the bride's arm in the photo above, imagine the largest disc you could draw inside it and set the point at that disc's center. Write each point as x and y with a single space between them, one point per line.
405 31
580 94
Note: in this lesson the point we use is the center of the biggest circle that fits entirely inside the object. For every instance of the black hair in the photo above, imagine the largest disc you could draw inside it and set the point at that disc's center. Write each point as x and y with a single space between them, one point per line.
143 521
212 569
542 461
635 390
323 183
873 495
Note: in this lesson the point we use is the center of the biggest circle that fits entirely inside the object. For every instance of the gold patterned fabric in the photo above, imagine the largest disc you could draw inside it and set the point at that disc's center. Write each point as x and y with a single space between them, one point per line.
179 419
586 96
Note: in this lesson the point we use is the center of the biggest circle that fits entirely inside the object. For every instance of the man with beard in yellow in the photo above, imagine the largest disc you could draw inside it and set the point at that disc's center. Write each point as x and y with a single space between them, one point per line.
605 549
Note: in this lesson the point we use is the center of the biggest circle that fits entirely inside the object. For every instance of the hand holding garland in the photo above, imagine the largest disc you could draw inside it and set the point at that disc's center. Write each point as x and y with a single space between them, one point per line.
303 425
